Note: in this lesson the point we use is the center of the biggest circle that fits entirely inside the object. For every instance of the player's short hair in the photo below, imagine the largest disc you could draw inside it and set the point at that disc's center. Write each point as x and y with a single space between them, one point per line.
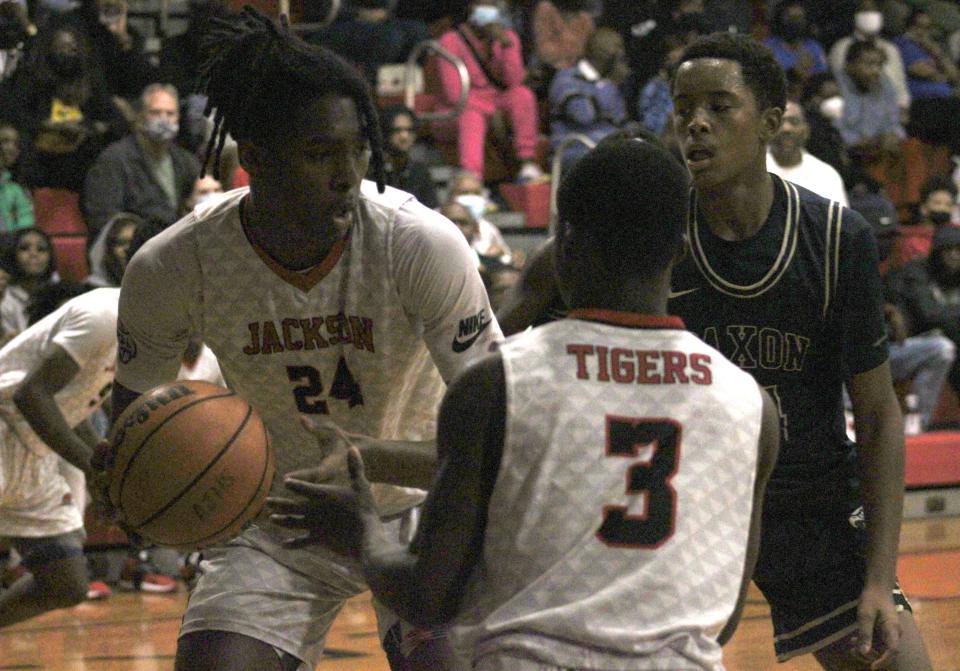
151 90
630 196
860 47
761 72
257 75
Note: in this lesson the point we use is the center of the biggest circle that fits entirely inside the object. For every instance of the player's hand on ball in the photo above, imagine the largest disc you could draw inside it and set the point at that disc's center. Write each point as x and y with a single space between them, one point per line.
333 515
101 466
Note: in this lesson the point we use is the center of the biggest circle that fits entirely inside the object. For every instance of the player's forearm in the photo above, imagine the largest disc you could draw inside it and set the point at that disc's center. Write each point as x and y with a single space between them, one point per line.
881 462
399 462
396 580
44 417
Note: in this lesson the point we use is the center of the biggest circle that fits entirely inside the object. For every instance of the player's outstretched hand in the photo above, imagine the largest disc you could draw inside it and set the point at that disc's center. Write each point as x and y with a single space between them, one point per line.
333 515
878 633
101 468
333 443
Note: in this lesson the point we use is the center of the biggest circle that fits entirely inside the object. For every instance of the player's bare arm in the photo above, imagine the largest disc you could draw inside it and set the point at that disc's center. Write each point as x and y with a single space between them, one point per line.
532 294
406 463
35 401
879 427
768 448
423 583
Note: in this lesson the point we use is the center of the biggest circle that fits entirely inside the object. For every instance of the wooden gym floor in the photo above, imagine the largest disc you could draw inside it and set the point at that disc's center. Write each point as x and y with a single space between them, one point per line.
136 632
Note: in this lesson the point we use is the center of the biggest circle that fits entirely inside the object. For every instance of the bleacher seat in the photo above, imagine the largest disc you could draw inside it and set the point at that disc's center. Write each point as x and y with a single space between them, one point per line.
57 211
71 251
532 199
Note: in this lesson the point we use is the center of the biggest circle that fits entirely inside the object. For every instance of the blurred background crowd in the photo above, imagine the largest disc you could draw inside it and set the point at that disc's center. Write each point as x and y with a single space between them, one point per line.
484 103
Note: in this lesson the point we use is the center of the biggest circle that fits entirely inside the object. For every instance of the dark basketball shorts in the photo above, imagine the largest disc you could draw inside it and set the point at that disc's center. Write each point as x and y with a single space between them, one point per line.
811 570
37 552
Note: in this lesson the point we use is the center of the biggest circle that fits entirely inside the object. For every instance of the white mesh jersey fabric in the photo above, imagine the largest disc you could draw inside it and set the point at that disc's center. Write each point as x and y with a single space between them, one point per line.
607 547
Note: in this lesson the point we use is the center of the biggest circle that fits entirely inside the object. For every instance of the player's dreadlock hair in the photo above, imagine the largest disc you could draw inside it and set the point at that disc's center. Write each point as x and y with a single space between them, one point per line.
256 74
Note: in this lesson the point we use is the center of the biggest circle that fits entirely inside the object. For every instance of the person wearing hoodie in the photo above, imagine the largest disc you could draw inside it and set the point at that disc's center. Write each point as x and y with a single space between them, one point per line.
927 292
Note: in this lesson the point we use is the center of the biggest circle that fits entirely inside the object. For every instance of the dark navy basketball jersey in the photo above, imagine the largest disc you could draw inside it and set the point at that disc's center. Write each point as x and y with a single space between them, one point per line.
799 306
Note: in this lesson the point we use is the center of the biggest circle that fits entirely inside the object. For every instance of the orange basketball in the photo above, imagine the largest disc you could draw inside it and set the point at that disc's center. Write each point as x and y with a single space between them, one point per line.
193 464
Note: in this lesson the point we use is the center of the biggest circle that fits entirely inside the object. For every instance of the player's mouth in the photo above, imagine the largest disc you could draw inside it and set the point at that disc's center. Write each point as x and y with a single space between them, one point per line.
343 212
698 158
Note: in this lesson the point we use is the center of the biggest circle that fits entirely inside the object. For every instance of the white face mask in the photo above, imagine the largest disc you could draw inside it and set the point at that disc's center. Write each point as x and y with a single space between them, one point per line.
832 107
484 15
474 203
868 23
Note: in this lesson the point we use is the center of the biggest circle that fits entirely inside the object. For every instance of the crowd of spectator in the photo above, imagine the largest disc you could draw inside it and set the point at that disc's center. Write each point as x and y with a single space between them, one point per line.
90 106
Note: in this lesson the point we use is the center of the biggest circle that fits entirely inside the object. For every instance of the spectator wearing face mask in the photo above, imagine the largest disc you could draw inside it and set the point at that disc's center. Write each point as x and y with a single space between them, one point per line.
493 57
468 191
867 25
938 197
586 98
145 173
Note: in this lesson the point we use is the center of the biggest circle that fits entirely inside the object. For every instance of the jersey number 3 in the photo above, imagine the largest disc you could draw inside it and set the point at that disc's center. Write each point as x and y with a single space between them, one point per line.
626 437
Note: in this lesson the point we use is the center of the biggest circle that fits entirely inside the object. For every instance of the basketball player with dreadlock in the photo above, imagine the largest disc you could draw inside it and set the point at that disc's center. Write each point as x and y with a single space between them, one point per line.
321 294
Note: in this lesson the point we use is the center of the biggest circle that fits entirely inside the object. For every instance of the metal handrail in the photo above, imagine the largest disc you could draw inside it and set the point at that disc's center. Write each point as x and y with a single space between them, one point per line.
555 165
410 81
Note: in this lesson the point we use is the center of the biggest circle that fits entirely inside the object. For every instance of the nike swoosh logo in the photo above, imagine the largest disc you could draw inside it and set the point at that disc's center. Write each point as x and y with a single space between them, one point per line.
463 345
880 341
678 294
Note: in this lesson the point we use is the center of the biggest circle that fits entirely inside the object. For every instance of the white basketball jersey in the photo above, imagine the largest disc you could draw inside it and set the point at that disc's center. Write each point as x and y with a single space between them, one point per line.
617 528
85 327
362 338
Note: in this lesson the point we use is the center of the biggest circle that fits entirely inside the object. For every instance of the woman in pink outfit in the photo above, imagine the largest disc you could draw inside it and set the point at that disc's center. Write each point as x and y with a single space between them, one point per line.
494 62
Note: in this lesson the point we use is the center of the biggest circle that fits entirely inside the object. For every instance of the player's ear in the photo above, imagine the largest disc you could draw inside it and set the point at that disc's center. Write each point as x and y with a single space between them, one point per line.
770 120
250 157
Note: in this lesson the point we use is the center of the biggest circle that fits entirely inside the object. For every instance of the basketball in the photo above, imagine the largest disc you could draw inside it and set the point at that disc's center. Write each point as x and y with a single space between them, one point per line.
193 464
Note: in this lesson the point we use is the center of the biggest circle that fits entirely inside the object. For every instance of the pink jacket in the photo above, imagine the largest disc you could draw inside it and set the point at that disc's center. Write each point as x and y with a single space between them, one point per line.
506 63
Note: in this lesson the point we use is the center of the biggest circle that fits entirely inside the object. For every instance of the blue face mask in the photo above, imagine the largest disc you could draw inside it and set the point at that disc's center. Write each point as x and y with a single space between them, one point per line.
484 15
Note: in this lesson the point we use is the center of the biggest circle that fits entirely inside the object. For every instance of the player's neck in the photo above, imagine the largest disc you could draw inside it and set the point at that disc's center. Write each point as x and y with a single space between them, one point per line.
737 211
638 296
293 245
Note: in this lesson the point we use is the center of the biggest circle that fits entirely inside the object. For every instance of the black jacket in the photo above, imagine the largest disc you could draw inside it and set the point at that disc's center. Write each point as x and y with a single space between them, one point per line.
120 180
925 293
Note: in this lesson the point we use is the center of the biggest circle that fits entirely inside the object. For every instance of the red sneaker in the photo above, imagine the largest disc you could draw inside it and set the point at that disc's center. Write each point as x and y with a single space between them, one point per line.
98 590
137 575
